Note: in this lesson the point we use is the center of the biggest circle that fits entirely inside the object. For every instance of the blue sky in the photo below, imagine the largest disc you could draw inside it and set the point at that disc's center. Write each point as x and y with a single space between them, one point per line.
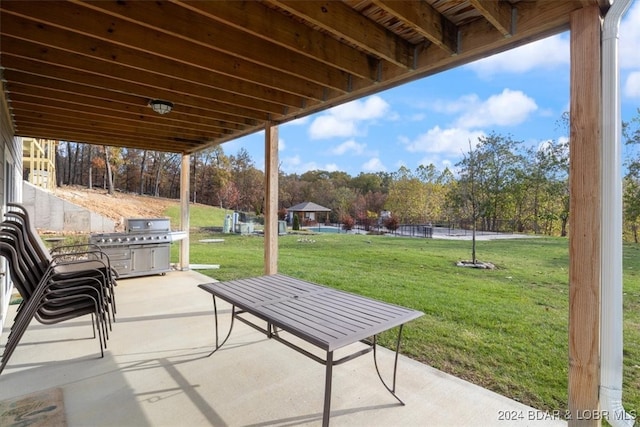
521 93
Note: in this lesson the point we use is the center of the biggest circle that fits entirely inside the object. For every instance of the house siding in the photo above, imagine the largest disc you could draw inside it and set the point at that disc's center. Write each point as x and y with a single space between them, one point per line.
10 189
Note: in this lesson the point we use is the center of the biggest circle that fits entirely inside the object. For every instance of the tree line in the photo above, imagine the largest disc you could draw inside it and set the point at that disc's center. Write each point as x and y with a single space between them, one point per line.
499 184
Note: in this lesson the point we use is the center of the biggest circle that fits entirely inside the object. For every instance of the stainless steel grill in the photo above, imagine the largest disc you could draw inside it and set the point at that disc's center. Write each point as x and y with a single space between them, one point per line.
144 248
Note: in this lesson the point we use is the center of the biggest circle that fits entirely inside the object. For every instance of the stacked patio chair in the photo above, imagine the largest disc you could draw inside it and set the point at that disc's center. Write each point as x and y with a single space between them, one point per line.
54 288
68 260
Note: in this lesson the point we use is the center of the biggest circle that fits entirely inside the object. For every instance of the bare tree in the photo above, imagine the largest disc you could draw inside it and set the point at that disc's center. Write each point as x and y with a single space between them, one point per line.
109 175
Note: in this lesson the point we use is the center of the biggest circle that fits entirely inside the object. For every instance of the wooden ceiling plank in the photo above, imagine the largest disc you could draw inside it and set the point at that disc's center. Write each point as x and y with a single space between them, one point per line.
33 112
59 108
188 25
88 23
144 90
344 23
105 139
109 53
37 103
81 123
141 77
97 126
498 13
87 121
425 20
260 21
37 86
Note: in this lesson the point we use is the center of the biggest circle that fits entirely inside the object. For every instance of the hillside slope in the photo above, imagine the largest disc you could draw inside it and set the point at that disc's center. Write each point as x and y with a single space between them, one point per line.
115 206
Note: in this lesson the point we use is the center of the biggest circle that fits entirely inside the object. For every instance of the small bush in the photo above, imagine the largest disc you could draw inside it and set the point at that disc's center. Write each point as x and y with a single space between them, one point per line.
392 223
348 222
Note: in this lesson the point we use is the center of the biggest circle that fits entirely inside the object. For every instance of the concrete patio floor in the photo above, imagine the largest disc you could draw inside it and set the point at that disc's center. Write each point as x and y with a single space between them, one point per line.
156 373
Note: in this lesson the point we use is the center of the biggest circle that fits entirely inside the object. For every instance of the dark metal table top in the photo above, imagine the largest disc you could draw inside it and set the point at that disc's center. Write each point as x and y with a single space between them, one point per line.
326 317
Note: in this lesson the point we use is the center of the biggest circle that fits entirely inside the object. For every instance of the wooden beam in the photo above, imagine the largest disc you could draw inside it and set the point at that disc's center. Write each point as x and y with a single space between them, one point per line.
100 138
80 21
584 233
101 128
139 63
184 211
271 199
96 72
345 23
122 112
205 112
497 12
187 24
81 125
260 21
425 20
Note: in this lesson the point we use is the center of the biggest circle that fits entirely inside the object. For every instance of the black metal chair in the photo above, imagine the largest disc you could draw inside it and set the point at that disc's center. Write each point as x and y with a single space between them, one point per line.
70 260
71 283
61 270
51 300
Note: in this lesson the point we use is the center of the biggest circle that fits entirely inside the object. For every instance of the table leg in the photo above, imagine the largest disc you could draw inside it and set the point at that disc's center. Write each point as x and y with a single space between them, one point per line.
215 317
391 389
327 389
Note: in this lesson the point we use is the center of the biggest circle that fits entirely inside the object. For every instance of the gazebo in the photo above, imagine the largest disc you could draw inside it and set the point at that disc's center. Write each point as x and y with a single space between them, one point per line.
309 210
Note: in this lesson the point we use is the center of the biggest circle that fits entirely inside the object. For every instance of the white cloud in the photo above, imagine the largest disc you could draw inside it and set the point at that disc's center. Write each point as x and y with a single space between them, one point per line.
462 104
329 126
506 109
281 145
374 165
543 54
294 164
346 120
292 161
632 85
452 141
630 37
349 146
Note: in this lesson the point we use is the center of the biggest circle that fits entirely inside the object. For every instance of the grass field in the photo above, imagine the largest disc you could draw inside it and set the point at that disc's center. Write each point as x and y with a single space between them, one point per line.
504 329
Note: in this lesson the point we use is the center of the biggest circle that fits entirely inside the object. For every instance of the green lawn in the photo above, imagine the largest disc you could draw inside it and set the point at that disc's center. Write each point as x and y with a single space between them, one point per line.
504 329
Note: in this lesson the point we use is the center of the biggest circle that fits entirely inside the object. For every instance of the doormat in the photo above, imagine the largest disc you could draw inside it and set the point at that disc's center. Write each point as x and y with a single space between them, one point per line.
40 409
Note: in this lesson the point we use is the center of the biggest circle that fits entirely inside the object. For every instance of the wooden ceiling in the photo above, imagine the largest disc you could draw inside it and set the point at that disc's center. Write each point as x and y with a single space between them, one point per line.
86 71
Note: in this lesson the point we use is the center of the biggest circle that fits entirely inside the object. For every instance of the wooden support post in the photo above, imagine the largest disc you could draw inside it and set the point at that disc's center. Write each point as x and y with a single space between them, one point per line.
584 234
184 211
271 199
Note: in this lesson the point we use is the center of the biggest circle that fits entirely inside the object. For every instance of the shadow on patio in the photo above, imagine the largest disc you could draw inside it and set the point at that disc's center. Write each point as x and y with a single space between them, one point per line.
155 373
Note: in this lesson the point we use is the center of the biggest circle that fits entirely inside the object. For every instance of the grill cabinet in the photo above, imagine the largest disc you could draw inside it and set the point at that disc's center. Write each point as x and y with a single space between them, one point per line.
143 249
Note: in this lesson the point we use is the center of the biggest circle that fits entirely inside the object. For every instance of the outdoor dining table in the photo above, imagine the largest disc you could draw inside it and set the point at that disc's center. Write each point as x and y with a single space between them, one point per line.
326 318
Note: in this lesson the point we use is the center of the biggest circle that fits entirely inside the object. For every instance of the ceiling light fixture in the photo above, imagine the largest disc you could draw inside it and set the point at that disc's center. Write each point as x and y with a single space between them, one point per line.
161 107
